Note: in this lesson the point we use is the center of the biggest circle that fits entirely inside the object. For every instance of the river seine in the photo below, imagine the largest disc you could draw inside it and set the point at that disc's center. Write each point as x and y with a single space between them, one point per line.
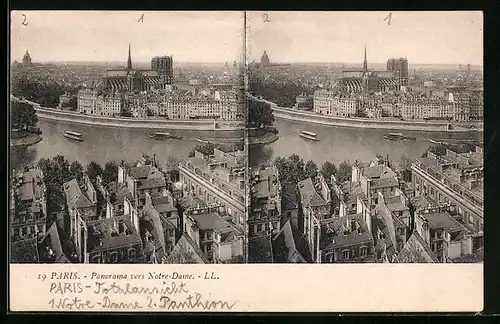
336 144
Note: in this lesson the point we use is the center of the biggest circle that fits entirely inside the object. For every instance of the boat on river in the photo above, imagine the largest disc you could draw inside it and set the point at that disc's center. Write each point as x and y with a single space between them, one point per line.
73 136
398 136
394 136
162 136
309 135
202 141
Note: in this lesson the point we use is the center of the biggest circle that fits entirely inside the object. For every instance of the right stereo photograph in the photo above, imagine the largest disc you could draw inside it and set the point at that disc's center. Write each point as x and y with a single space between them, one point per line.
365 137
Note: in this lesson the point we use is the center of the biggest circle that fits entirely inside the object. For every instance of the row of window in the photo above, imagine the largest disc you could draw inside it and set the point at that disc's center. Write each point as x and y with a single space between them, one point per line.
349 253
28 231
114 257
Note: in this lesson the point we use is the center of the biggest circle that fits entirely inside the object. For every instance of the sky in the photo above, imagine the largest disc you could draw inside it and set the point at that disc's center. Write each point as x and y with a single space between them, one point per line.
54 36
445 37
453 37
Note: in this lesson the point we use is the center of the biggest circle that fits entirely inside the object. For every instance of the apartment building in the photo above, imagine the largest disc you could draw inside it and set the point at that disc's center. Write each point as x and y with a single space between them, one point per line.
456 179
346 239
265 212
447 238
113 240
315 199
219 178
219 240
87 101
28 214
81 202
109 105
329 103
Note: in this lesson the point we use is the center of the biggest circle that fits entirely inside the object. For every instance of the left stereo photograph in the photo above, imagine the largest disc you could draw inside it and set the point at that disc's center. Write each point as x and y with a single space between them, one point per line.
127 137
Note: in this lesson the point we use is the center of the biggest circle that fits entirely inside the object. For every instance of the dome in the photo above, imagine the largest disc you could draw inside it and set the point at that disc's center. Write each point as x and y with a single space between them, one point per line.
26 58
264 59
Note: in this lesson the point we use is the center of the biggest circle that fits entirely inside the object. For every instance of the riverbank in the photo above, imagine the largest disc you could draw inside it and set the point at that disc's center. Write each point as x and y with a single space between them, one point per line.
266 138
371 123
30 139
150 123
427 126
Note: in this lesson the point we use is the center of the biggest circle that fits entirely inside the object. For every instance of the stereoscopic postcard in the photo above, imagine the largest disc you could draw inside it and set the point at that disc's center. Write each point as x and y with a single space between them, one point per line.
231 161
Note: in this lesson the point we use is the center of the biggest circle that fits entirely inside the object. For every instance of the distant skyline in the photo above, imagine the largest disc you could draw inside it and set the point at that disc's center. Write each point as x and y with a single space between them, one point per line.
104 36
452 37
423 37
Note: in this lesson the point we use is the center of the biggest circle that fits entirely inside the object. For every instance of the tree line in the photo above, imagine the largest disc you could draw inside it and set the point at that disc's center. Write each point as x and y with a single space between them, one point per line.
282 93
58 170
259 114
46 94
440 149
22 116
294 169
208 148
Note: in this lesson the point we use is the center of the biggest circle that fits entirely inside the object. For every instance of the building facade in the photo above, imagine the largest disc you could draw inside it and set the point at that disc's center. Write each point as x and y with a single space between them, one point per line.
164 65
453 179
265 202
219 241
28 214
217 179
87 101
399 67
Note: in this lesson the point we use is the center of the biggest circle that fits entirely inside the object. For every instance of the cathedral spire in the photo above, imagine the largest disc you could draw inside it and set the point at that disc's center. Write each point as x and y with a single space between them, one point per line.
129 61
365 63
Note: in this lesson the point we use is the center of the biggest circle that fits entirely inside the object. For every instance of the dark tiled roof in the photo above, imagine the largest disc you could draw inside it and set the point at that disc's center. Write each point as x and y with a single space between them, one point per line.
52 240
442 220
353 191
24 251
260 250
228 236
336 234
309 195
385 222
384 183
392 199
163 204
74 195
416 251
375 171
266 185
107 240
186 251
289 197
151 183
289 246
151 221
141 172
28 191
210 221
192 201
421 202
118 192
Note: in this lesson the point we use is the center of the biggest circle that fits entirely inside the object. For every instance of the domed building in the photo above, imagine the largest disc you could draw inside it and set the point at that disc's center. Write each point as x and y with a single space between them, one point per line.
27 58
264 60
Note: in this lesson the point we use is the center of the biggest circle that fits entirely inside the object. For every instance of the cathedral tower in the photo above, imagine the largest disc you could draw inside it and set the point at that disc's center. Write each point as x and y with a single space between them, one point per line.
129 61
365 63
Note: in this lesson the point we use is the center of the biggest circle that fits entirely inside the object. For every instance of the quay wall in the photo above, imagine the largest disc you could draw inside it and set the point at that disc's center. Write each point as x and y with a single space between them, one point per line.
428 126
225 129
